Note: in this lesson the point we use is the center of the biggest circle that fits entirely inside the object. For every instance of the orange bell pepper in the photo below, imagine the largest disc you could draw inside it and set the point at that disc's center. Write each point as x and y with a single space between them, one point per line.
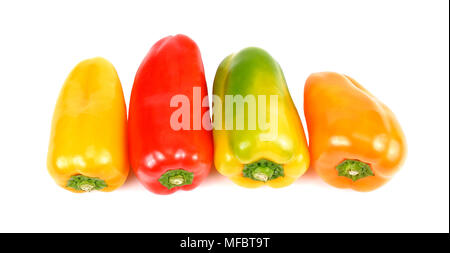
355 140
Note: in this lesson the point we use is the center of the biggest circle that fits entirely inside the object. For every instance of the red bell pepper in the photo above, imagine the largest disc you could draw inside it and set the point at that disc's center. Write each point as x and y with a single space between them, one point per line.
166 159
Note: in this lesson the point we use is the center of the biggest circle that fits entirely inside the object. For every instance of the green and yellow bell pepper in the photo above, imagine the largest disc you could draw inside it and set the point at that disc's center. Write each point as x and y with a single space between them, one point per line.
273 154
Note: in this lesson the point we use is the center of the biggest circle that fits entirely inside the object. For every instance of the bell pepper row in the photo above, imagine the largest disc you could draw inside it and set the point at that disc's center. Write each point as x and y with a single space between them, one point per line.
171 143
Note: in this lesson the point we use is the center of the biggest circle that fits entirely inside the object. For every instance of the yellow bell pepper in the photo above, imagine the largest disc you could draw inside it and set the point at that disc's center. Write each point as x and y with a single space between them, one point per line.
248 156
88 141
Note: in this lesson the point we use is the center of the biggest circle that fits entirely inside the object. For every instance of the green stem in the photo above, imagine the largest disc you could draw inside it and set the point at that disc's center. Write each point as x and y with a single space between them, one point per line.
354 169
174 178
263 170
87 184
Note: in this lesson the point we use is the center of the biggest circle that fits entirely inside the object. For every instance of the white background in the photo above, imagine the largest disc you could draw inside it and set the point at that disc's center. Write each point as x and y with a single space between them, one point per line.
399 50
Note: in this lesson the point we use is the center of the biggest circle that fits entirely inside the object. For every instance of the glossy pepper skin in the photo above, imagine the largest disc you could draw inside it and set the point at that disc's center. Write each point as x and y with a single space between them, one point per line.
355 140
88 141
166 160
245 156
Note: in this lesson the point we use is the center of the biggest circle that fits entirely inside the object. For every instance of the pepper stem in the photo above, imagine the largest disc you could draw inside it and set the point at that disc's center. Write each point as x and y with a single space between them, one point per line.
354 169
174 178
263 170
84 183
